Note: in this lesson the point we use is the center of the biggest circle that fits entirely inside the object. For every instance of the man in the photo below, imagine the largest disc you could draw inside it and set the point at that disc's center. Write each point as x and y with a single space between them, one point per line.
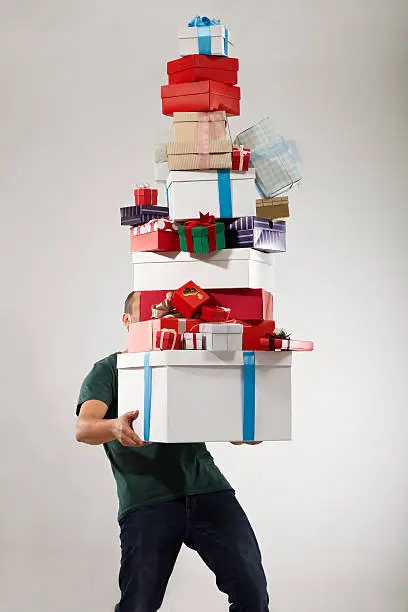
169 495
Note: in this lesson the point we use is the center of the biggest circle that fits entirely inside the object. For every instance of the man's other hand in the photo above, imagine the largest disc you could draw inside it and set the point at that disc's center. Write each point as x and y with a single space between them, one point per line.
124 431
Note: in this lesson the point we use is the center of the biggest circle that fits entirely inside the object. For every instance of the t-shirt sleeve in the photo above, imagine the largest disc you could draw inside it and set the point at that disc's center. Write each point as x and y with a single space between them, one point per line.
99 384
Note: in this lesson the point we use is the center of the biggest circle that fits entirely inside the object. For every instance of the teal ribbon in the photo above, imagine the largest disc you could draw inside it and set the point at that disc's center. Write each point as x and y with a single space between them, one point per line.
248 396
147 397
203 25
224 193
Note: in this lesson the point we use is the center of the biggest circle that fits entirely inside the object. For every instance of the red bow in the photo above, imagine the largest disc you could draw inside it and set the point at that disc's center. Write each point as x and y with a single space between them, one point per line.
205 220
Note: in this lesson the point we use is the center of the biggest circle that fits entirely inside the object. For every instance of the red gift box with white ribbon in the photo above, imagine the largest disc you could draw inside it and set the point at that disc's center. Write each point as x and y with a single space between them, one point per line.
167 340
155 235
240 158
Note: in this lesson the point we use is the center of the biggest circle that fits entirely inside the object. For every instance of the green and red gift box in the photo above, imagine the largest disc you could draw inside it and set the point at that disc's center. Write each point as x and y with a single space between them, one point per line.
203 235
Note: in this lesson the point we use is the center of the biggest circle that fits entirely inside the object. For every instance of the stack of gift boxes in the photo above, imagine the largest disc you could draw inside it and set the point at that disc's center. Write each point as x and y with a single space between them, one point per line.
205 360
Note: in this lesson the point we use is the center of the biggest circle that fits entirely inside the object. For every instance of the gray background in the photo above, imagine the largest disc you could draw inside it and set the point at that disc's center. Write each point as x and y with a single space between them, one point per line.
79 114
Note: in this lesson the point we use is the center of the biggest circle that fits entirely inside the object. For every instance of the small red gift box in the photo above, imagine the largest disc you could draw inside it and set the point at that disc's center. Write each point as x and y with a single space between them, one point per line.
156 235
240 158
201 96
167 340
188 299
215 314
145 196
252 335
142 336
203 68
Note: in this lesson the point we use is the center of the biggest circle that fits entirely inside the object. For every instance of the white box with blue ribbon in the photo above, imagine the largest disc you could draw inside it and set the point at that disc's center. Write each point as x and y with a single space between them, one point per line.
200 396
204 36
228 268
223 193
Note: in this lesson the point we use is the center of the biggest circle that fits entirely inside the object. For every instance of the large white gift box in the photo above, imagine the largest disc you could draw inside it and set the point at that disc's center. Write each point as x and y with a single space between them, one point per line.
234 268
222 336
211 40
222 193
200 396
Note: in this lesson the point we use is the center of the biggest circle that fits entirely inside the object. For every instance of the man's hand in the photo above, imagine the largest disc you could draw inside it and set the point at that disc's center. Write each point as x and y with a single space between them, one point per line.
250 443
123 430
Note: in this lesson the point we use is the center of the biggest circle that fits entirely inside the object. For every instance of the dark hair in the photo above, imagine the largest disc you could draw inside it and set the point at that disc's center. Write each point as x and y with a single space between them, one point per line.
129 303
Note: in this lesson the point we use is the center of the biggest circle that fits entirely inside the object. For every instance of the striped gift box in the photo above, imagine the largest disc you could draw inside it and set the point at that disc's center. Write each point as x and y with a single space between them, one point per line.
154 225
136 215
256 233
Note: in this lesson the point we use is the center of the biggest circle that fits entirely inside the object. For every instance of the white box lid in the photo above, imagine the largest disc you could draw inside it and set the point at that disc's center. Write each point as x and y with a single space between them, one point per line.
185 176
203 359
221 328
245 254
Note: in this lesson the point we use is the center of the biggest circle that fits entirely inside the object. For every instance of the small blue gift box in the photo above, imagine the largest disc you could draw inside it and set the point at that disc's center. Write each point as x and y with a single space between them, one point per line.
256 233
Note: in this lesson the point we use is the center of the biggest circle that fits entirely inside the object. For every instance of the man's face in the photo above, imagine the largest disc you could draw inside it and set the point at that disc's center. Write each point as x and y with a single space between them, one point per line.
133 317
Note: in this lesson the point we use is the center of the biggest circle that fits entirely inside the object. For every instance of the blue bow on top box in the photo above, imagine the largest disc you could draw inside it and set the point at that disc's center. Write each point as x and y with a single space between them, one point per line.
274 159
204 36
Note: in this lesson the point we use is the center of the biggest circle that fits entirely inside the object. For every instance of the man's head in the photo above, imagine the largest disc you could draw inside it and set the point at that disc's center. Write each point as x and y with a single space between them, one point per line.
131 308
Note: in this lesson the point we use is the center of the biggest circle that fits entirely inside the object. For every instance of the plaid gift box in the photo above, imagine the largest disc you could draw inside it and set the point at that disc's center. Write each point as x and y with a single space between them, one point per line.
256 233
274 159
136 215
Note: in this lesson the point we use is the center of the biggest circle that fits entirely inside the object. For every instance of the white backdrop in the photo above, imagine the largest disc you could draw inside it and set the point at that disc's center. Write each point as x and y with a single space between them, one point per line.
80 112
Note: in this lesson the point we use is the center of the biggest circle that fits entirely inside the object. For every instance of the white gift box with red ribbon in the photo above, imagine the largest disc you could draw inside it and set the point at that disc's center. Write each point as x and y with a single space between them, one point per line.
193 341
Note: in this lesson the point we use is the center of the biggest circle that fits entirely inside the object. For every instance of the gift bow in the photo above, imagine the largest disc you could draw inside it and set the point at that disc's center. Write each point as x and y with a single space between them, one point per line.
143 186
205 220
198 22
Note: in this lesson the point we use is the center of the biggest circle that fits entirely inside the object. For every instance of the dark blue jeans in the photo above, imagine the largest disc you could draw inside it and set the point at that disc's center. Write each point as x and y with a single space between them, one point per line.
214 525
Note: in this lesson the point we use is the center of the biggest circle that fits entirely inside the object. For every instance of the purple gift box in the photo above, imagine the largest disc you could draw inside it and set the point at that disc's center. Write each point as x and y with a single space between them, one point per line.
136 215
256 233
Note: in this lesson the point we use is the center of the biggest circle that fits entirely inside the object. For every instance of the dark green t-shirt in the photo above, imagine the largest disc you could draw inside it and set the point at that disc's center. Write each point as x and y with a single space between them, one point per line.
154 473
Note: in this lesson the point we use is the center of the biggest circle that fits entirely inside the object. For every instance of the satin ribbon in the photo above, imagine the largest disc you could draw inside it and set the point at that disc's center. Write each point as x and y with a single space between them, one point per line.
203 25
206 220
248 396
224 193
147 407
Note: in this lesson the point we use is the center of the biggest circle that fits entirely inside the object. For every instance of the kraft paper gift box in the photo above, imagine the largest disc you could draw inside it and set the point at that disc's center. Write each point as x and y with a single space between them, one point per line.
202 236
225 396
142 335
137 215
232 268
192 341
274 158
156 235
201 96
223 193
200 127
204 36
203 68
222 336
199 156
145 196
243 304
262 234
188 299
273 208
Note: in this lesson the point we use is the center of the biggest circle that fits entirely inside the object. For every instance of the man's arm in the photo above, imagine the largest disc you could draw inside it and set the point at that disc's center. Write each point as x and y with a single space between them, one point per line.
92 428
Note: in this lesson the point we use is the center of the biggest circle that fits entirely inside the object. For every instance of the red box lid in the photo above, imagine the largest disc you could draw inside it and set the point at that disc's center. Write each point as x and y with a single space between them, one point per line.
202 61
201 87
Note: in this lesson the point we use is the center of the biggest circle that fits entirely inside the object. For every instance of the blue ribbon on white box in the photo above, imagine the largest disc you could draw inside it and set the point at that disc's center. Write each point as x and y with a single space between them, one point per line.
224 193
147 397
248 396
203 25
